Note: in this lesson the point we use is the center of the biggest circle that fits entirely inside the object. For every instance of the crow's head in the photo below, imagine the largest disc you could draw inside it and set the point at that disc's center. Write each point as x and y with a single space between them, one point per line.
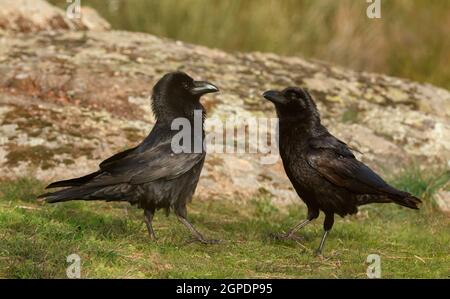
177 95
293 103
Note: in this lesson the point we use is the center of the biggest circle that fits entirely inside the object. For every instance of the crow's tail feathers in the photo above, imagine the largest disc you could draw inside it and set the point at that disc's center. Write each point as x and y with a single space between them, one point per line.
401 198
73 193
76 190
120 192
74 182
408 201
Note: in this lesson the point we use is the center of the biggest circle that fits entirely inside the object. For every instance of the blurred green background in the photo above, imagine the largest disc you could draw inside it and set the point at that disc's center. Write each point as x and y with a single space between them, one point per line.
411 40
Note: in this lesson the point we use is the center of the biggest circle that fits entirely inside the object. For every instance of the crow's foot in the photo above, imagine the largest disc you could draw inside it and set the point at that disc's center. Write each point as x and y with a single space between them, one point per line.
204 241
284 237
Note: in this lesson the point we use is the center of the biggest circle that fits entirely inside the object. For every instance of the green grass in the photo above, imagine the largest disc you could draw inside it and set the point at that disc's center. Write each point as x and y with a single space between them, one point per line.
350 115
111 239
398 44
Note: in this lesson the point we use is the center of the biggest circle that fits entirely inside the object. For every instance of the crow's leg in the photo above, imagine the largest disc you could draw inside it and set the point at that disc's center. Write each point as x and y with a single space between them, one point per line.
327 225
322 243
197 235
290 235
148 218
182 217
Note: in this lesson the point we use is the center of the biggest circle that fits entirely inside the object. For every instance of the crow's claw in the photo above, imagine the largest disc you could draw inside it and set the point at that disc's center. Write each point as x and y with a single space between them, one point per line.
204 241
284 236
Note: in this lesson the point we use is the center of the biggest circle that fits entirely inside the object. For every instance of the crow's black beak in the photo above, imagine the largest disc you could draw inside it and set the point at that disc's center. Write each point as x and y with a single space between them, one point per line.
275 97
203 87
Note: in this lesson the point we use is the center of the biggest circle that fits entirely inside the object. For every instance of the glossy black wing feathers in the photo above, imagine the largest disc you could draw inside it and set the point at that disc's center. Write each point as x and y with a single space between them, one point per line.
158 162
116 157
330 142
334 160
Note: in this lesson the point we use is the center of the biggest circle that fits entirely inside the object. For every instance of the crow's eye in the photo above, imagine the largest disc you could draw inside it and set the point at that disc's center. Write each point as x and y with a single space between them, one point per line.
292 97
186 85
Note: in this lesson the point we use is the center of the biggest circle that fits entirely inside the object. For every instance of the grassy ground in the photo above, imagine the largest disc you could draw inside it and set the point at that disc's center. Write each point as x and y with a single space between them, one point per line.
112 241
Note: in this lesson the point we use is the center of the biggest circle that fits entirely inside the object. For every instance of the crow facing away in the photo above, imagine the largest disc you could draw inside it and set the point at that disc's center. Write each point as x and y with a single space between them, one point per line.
323 170
151 175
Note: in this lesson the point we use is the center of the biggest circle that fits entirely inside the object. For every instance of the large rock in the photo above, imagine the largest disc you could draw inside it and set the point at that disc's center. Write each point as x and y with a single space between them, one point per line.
69 99
38 15
443 200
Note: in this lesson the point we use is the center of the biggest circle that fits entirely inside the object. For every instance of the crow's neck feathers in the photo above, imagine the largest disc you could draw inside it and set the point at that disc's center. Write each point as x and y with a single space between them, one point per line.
304 118
166 108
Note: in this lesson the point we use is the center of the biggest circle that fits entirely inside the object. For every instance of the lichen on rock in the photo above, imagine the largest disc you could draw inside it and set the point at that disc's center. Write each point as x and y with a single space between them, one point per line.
70 98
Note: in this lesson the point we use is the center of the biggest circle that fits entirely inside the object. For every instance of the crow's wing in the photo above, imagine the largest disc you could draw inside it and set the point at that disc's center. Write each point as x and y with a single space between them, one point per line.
104 165
87 179
158 162
92 176
168 167
330 142
335 162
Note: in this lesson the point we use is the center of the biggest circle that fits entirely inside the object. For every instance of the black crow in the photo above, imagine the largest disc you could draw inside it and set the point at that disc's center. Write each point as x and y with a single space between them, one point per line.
152 175
323 170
